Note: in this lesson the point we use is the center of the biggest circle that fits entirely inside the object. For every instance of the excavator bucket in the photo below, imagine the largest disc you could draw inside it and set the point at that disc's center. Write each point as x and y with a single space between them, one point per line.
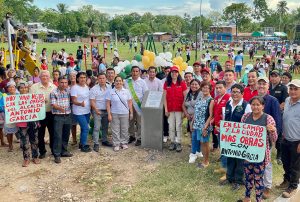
29 63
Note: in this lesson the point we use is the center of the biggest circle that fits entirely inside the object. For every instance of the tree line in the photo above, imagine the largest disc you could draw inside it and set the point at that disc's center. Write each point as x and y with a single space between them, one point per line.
87 19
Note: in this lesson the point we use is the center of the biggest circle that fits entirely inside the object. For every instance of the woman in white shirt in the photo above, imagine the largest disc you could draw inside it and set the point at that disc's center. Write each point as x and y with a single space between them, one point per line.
81 108
119 109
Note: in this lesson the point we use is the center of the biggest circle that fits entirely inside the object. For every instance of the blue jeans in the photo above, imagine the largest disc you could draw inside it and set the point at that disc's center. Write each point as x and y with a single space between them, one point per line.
222 158
195 143
83 121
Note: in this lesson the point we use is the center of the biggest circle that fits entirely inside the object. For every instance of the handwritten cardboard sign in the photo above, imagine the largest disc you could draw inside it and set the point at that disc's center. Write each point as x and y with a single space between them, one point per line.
24 108
243 141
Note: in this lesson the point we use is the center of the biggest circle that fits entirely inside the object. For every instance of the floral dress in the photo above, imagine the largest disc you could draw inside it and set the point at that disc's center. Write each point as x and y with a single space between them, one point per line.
201 116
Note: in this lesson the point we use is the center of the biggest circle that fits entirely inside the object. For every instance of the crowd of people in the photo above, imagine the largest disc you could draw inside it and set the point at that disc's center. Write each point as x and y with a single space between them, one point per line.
264 95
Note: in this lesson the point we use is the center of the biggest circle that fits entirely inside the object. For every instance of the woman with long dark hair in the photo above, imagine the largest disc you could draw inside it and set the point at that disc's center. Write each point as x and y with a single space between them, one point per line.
175 90
81 108
189 110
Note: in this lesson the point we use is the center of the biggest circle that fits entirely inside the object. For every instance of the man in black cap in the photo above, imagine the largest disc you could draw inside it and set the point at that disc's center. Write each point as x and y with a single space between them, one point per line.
280 92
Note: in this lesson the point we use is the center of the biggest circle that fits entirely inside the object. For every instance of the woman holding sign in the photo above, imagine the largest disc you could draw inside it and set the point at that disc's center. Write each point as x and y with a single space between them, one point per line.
10 129
254 172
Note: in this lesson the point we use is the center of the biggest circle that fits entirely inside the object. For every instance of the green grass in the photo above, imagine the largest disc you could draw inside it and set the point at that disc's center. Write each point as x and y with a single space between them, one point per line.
126 55
177 180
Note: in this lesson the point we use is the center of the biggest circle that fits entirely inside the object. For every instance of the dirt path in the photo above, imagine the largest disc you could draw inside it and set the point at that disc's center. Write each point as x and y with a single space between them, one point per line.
103 176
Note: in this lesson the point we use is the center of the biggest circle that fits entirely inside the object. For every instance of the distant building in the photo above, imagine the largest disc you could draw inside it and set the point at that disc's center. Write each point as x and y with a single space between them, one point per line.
162 36
223 33
34 28
98 38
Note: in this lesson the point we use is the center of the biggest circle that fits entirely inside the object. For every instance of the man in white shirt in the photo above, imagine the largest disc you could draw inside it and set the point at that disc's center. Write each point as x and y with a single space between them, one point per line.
137 88
98 103
153 83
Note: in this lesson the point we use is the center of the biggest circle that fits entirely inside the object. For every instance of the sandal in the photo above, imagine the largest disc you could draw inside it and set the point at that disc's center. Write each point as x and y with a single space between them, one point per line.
25 163
4 144
36 161
10 149
202 166
74 143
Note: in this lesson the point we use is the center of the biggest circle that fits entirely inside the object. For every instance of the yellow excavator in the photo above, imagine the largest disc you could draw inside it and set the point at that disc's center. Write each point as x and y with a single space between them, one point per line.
15 52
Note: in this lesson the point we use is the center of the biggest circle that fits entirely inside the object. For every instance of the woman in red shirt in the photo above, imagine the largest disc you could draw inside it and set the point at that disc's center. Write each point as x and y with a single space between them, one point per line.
175 90
251 90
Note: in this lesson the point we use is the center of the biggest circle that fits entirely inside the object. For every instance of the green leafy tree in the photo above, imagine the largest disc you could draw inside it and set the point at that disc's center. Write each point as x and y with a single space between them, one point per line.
261 9
19 9
42 36
118 24
95 20
282 10
50 18
148 18
139 29
238 13
67 24
62 8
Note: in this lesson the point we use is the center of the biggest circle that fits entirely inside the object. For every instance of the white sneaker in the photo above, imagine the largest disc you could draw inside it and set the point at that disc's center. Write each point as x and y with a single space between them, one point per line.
193 158
165 139
199 154
124 146
116 148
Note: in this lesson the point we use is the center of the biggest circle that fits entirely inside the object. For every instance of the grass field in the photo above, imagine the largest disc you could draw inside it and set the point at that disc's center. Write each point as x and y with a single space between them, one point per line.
126 55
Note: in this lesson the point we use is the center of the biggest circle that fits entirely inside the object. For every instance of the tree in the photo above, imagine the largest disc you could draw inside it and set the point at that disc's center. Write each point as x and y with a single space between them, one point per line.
50 18
260 9
139 29
118 24
148 19
67 24
282 10
237 13
19 9
94 20
216 18
62 8
42 36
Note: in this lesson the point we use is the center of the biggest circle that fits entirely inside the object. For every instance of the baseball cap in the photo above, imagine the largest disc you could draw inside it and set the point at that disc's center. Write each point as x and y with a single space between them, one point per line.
275 72
263 78
174 68
205 70
196 64
11 83
295 82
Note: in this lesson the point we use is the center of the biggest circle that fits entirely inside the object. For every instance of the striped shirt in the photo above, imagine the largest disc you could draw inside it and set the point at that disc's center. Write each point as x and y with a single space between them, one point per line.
62 99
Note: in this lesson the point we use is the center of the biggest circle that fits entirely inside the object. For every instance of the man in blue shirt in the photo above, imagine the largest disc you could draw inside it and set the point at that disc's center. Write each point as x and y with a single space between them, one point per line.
238 64
213 64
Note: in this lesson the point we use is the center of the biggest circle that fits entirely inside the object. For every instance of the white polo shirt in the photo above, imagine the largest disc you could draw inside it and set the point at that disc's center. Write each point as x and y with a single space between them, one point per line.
99 94
82 94
140 87
119 100
155 85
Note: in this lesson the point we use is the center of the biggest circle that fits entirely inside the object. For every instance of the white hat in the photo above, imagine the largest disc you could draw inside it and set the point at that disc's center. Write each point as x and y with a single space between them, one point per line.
295 82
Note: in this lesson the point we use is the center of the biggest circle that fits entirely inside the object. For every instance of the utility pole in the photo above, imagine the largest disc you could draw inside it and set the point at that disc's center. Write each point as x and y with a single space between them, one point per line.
200 26
196 55
116 38
11 56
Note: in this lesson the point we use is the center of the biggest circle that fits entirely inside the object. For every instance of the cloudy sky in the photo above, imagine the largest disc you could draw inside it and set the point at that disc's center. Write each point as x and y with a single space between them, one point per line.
178 7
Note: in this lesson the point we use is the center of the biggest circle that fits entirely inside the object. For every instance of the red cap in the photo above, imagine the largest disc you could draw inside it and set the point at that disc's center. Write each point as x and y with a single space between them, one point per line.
174 68
196 64
205 70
